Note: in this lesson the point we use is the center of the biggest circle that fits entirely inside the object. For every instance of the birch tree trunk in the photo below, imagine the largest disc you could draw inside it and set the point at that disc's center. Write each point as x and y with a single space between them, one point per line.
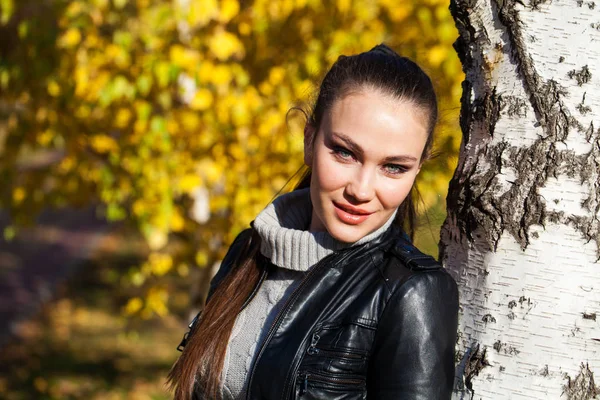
521 236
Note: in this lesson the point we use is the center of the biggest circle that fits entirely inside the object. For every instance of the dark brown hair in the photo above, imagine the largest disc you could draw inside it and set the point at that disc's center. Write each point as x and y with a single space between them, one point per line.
200 365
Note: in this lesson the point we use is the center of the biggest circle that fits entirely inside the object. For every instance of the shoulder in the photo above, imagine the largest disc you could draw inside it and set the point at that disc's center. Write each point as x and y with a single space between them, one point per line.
406 269
420 291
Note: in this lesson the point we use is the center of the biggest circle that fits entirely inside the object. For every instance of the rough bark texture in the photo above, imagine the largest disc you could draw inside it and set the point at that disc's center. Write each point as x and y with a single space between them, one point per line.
521 236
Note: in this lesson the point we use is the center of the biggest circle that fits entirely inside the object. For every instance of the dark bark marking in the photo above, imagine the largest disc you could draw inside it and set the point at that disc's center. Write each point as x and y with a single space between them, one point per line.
582 387
512 304
488 318
583 109
524 299
502 347
582 76
497 345
535 4
589 132
514 106
471 203
509 17
544 371
591 316
476 362
590 167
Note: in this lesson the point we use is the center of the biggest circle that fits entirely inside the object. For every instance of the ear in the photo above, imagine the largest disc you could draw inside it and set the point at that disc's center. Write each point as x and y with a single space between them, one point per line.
309 136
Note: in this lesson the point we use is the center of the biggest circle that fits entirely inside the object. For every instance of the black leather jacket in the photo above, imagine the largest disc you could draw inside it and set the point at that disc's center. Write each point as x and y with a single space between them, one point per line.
373 321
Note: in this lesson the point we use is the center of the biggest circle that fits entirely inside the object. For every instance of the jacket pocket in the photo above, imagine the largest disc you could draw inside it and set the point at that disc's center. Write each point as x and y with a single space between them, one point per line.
316 385
339 349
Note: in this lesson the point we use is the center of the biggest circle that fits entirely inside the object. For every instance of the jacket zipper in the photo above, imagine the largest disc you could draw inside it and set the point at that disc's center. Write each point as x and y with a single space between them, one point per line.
314 376
284 310
313 350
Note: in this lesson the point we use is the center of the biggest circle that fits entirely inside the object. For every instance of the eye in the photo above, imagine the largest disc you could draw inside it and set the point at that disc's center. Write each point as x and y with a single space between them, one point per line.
395 169
343 153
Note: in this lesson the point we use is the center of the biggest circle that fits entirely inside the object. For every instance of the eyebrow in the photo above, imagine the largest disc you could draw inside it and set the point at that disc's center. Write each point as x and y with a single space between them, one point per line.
355 148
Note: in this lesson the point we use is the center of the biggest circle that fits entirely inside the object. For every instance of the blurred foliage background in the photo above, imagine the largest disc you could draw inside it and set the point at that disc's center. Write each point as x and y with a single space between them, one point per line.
169 118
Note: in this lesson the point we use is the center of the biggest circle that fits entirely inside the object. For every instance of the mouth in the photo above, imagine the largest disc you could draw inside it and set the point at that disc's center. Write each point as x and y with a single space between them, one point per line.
350 215
351 210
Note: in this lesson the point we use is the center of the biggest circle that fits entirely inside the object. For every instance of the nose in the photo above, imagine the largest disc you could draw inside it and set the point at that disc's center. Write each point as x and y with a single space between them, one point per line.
362 187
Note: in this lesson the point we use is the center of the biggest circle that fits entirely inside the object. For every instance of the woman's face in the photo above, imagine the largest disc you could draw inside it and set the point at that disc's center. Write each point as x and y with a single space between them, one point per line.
364 159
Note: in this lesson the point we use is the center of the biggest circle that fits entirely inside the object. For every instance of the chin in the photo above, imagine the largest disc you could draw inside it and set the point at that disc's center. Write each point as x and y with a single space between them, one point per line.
346 233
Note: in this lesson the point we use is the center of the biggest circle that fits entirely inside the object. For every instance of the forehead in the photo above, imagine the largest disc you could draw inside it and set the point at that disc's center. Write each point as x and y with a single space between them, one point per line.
378 123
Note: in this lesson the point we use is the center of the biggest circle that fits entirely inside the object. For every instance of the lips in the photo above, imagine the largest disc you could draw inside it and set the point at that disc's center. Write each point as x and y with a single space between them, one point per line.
350 215
351 209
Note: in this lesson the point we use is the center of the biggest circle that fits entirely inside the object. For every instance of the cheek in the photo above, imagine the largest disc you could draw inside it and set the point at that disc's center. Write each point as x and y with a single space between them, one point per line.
328 174
393 194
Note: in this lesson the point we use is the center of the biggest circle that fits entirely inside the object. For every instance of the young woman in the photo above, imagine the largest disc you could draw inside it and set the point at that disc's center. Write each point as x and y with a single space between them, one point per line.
325 297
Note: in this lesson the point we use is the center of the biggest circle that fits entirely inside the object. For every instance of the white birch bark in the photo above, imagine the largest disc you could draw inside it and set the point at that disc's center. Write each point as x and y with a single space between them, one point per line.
521 236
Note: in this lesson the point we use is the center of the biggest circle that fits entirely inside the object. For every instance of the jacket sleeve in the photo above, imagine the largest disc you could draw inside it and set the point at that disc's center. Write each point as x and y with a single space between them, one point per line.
413 357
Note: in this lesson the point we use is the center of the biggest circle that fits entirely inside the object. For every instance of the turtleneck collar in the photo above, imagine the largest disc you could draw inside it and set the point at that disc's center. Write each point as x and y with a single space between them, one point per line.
285 239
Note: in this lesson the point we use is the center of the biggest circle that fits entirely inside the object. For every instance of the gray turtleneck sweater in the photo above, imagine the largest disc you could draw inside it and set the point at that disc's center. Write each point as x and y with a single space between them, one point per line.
286 241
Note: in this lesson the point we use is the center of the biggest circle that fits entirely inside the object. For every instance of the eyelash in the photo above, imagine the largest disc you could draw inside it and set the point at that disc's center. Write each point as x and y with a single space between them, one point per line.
338 150
344 154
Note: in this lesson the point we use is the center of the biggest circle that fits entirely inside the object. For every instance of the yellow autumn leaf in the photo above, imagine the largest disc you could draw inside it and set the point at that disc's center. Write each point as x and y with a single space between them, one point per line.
8 8
156 301
224 45
212 171
53 88
66 164
123 117
343 5
276 75
189 182
18 195
229 9
202 100
119 4
221 75
160 263
45 137
139 207
71 38
103 144
190 121
244 28
184 57
201 258
437 54
133 305
201 12
82 80
177 221
206 72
